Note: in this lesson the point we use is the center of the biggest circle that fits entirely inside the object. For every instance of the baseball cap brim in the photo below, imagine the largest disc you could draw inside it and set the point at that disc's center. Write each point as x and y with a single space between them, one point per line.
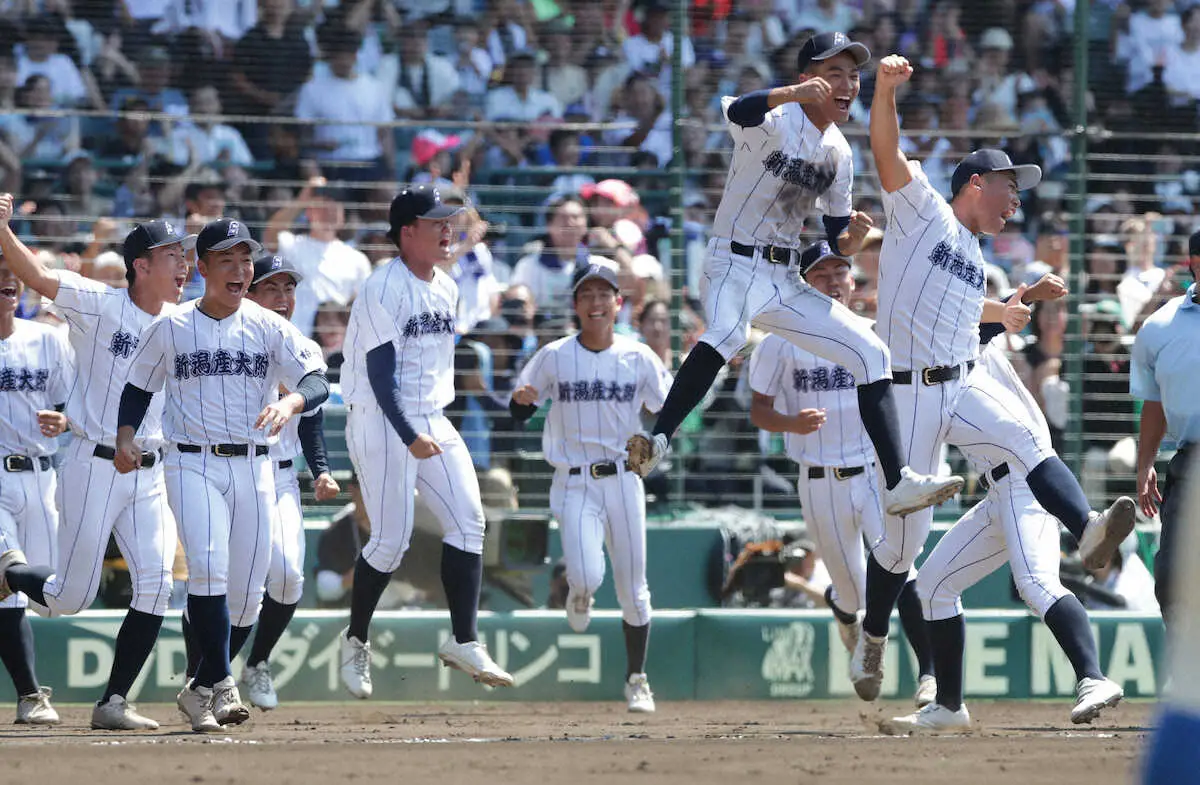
843 259
1028 175
862 54
441 212
608 276
295 275
186 240
254 245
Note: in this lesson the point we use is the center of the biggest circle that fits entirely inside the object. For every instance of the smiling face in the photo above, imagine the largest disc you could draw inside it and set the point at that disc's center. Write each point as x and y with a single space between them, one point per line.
227 275
162 273
596 305
994 200
841 72
277 293
11 289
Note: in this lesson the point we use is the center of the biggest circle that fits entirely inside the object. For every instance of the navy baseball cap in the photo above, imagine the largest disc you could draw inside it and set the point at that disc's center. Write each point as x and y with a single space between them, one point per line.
149 235
819 252
225 233
269 265
1194 244
823 46
418 202
989 160
595 270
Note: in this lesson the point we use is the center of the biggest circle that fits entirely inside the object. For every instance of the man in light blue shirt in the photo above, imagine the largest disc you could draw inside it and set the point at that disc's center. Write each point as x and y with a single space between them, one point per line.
1166 359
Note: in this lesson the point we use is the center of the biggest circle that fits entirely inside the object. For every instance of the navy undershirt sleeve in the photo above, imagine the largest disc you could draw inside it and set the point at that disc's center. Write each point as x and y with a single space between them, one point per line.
312 442
749 110
135 402
381 371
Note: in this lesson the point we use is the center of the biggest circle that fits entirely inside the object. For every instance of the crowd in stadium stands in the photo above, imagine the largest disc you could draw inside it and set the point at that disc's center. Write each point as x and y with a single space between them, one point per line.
308 155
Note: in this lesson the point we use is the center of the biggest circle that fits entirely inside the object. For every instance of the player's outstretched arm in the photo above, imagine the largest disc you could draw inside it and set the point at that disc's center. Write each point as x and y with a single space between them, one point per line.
890 161
751 109
22 261
764 415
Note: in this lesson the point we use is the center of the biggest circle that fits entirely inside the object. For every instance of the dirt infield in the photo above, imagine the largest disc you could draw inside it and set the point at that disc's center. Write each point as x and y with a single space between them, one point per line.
578 743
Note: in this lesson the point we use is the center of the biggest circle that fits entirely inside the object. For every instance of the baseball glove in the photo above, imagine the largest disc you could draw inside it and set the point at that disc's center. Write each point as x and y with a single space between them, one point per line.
641 452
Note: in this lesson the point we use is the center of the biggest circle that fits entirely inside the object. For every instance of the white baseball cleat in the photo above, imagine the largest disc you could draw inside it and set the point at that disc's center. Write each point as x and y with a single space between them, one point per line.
926 691
579 610
35 708
356 665
866 665
1105 532
638 694
256 683
117 714
1093 696
196 703
918 491
645 452
8 559
933 718
472 659
227 704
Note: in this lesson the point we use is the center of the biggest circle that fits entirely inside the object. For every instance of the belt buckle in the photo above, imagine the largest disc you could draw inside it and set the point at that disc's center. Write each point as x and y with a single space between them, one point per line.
771 257
593 470
925 376
14 463
220 451
841 474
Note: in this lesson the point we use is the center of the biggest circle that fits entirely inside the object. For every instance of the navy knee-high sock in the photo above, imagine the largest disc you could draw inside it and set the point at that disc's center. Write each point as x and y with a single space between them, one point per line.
462 579
883 590
16 649
190 647
369 584
915 629
273 620
135 641
1069 622
695 377
637 641
877 407
1057 489
210 624
237 639
948 638
30 579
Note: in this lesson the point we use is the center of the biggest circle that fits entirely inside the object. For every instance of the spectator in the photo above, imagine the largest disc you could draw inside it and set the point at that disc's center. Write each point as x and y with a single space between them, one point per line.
997 84
154 85
219 23
426 83
1126 576
946 43
519 99
650 51
333 271
566 151
1043 357
270 63
1182 60
329 331
1153 32
509 32
478 289
1102 269
202 136
39 56
562 78
79 186
765 30
591 31
548 273
646 109
823 15
1107 416
654 326
343 104
472 61
41 136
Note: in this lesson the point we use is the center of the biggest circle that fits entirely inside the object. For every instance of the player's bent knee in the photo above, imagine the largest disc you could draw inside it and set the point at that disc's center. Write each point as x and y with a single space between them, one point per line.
1040 594
635 610
288 593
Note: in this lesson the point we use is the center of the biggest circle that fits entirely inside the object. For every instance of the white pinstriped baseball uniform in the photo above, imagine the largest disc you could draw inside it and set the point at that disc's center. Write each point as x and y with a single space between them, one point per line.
596 404
417 317
34 365
94 499
781 171
217 376
285 576
931 295
1007 525
839 512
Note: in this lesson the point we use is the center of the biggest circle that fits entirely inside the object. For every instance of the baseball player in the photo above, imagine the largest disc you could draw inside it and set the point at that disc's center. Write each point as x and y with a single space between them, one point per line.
1008 525
219 361
599 383
397 378
789 157
808 400
93 499
274 288
34 366
931 302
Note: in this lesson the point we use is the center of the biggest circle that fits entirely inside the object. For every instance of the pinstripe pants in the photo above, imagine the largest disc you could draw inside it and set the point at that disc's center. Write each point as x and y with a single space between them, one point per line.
28 520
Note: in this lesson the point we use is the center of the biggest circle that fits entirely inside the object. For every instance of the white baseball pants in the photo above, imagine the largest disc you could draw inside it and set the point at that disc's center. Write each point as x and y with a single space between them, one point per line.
608 511
28 520
738 290
389 475
224 507
94 501
285 576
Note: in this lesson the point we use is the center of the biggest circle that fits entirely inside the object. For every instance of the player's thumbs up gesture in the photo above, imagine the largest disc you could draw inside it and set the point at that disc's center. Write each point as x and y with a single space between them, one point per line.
1016 313
424 447
893 70
525 396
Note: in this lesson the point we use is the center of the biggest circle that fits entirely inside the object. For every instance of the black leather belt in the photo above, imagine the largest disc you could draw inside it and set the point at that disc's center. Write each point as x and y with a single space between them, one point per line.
775 254
598 470
931 376
988 479
23 463
107 453
226 450
818 472
285 464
